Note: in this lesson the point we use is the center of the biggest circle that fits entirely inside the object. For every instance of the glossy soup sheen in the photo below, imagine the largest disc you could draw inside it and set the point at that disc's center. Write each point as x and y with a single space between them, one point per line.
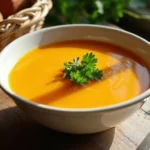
37 76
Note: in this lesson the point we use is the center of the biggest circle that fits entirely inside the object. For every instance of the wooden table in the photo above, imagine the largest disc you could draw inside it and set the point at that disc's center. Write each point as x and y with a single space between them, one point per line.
18 132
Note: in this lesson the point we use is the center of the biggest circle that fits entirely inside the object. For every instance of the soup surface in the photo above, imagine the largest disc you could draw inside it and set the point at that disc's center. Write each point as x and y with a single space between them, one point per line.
37 76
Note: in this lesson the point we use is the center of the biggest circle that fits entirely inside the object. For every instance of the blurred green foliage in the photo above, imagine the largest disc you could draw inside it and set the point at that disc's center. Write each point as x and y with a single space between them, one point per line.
85 11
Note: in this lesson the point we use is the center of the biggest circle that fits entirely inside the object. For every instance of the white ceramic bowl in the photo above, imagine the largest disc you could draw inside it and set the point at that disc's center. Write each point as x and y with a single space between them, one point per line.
79 121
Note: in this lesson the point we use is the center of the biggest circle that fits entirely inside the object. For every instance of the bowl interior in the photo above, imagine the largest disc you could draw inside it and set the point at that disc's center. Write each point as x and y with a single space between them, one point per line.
19 47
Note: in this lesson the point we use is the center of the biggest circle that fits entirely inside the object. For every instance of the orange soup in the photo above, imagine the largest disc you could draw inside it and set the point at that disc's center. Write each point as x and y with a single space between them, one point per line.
37 76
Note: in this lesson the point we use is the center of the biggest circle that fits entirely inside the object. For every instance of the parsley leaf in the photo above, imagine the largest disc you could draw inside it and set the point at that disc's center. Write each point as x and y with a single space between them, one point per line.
83 72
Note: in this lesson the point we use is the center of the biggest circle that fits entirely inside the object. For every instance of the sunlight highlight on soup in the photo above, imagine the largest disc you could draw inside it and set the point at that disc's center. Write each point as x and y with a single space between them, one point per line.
37 76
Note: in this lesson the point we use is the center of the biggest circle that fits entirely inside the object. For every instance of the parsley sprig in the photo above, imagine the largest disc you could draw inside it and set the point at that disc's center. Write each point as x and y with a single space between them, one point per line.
83 72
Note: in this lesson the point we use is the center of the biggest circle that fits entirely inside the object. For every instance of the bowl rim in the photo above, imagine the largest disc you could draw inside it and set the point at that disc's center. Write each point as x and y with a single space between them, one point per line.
127 103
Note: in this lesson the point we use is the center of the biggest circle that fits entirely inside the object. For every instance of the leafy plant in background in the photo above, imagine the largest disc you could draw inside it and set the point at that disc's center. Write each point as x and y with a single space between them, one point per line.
85 11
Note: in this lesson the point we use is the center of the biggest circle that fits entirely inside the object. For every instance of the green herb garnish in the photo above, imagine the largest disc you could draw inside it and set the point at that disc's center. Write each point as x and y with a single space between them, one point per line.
83 72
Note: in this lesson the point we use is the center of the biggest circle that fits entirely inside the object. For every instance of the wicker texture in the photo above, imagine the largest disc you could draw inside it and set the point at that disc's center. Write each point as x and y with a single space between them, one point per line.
25 21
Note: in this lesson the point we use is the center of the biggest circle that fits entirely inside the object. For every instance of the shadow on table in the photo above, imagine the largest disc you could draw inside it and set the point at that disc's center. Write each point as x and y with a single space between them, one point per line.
147 113
17 132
